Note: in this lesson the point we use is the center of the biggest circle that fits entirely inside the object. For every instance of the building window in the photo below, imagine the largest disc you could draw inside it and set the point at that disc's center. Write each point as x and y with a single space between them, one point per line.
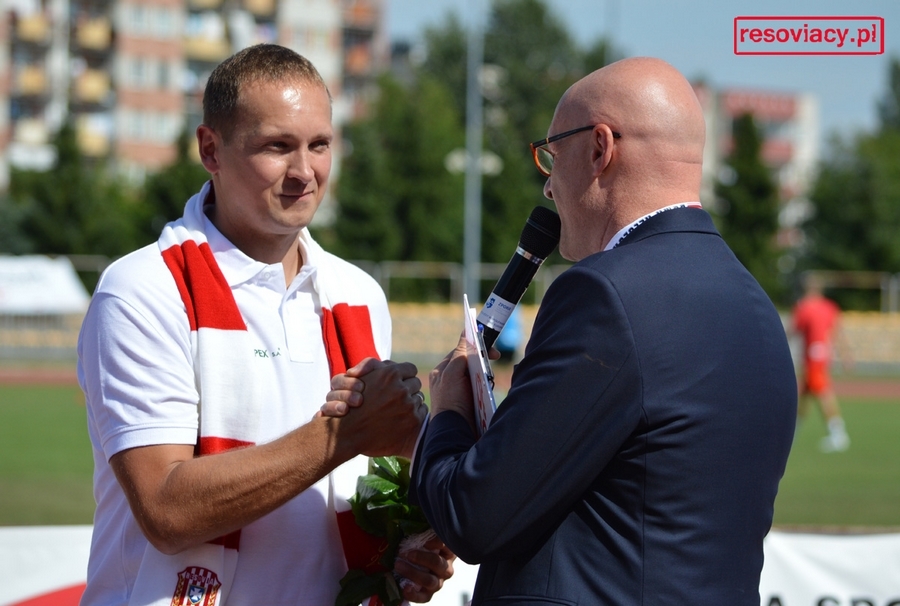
164 22
137 18
148 126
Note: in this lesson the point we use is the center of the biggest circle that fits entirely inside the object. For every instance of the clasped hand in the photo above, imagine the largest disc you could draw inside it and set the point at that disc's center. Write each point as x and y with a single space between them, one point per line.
394 390
395 408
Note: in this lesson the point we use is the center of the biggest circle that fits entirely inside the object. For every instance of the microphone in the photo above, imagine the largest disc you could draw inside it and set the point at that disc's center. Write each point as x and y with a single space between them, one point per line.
539 237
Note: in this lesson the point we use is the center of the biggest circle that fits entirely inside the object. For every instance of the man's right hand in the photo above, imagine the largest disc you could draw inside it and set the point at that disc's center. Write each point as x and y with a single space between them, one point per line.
386 403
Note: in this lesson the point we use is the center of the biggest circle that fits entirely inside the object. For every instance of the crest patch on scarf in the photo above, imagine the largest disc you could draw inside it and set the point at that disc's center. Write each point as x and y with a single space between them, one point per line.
196 587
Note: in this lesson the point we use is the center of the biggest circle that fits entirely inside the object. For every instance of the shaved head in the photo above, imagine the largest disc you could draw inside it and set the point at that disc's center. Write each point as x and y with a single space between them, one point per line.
644 153
648 99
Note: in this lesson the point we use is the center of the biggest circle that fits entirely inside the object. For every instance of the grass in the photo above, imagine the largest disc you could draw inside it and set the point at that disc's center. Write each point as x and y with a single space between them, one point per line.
46 466
858 487
45 456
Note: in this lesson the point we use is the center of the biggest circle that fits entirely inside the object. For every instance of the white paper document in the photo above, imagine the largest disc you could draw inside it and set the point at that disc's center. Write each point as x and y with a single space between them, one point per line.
479 371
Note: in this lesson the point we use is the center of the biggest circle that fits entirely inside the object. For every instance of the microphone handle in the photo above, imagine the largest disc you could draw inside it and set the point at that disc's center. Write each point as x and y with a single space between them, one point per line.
506 294
489 335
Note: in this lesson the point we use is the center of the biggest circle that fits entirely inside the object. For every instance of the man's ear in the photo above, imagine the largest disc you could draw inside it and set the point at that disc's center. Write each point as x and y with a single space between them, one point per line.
602 148
209 142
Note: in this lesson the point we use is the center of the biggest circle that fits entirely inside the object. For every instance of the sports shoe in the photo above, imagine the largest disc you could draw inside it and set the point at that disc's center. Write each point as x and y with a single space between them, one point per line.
838 442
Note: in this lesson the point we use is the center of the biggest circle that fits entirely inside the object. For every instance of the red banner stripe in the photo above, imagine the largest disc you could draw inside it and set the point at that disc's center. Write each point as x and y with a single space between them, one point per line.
70 596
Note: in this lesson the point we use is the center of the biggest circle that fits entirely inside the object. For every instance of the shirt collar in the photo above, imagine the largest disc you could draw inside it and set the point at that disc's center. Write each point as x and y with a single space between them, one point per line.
239 268
622 233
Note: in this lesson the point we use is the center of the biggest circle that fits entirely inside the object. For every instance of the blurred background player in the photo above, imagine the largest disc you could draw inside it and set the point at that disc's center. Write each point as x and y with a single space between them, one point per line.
816 318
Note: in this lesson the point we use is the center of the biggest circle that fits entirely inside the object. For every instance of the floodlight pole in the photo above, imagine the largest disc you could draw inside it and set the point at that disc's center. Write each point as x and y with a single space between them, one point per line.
474 129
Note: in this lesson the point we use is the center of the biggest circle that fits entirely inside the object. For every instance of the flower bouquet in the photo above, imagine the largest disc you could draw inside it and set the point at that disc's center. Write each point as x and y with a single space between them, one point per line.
381 508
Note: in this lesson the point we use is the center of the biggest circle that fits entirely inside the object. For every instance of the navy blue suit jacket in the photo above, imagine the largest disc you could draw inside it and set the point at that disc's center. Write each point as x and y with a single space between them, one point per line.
637 455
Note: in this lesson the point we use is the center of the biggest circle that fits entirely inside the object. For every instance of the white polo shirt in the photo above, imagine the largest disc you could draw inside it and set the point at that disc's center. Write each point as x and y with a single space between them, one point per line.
135 367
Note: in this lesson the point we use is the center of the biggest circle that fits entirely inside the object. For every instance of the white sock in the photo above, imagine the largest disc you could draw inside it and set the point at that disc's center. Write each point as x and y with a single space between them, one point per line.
836 427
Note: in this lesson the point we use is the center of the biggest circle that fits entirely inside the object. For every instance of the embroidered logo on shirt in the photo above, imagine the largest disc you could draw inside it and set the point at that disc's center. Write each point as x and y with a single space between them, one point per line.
265 353
196 587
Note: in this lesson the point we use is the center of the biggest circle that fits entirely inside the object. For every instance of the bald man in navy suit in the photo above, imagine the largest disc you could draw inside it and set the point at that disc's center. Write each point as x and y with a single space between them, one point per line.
636 457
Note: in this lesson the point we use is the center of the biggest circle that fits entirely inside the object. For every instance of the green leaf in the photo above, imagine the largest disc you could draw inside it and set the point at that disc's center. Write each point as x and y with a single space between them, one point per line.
392 595
371 486
356 586
411 527
390 466
381 508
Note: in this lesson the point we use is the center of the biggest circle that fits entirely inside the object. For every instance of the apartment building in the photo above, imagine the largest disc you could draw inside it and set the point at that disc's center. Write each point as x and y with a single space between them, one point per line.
790 127
130 73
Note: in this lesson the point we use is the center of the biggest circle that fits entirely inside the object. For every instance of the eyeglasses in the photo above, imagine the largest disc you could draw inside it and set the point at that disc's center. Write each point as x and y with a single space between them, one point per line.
543 157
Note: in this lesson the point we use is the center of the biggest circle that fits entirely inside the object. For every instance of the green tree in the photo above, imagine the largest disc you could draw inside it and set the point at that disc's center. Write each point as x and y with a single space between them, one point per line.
856 198
600 54
74 208
167 191
533 60
889 106
12 239
857 202
749 201
541 61
396 198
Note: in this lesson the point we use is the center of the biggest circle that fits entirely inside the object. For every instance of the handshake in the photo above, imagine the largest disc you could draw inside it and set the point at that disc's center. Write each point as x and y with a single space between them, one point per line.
388 396
379 407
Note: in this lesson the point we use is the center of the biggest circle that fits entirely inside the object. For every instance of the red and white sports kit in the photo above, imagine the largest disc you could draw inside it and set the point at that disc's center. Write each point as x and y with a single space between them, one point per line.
815 318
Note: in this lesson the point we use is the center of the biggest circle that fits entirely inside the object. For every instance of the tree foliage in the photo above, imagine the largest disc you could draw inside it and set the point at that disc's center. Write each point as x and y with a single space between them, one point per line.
77 207
889 106
166 192
749 202
396 199
856 199
80 206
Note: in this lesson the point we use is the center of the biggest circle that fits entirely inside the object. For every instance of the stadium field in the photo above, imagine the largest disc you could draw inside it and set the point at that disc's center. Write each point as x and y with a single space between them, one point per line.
46 466
855 488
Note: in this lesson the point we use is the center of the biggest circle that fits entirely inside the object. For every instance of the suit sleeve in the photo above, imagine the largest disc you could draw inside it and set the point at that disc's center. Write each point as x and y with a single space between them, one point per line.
574 400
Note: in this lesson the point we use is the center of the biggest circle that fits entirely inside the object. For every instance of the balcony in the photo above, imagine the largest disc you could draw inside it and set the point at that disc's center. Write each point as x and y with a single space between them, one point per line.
362 14
206 49
31 131
92 86
261 8
94 34
90 141
358 60
33 28
30 81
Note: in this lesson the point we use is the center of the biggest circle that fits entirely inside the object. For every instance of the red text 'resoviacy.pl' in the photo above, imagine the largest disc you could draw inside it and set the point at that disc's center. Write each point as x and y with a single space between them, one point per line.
808 35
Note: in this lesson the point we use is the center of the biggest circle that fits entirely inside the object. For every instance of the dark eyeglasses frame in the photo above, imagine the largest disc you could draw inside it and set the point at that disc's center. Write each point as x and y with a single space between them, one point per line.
538 144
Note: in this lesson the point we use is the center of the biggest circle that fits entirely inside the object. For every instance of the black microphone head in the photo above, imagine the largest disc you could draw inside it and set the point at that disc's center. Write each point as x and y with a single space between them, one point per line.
541 232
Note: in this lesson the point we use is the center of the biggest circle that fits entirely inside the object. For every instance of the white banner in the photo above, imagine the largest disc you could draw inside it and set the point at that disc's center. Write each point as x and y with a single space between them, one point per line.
830 570
40 560
799 570
35 284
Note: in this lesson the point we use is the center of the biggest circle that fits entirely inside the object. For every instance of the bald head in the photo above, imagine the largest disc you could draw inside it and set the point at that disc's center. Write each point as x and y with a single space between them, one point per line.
647 100
645 152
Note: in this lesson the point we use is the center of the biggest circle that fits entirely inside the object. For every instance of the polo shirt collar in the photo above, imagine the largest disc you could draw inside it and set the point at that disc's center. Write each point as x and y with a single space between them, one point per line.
239 268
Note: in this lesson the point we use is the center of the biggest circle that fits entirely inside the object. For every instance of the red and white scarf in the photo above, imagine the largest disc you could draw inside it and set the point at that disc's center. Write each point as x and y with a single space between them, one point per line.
229 407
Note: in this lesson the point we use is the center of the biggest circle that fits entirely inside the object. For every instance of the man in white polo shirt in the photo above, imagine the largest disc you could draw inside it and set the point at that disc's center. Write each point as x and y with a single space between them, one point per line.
204 358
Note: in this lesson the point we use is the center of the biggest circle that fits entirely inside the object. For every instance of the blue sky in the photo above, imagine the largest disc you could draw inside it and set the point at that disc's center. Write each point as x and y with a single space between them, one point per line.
697 38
